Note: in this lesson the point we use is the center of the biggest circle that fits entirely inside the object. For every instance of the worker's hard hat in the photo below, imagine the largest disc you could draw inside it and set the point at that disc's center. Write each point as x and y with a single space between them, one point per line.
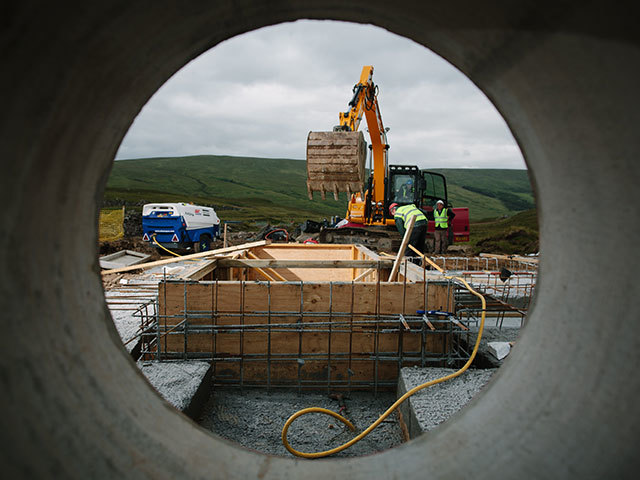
439 201
391 207
410 182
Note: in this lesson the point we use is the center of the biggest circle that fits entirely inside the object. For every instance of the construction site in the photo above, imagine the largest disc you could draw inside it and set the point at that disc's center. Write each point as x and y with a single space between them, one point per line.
251 333
564 402
352 322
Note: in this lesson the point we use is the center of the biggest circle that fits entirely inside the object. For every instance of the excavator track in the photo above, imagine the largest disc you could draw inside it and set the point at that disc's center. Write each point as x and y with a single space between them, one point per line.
376 238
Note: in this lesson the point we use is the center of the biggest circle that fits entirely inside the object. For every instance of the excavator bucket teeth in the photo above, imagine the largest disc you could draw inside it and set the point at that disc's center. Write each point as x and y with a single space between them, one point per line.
335 162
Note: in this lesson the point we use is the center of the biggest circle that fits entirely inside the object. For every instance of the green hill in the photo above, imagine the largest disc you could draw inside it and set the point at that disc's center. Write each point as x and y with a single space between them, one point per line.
514 235
253 189
274 190
489 193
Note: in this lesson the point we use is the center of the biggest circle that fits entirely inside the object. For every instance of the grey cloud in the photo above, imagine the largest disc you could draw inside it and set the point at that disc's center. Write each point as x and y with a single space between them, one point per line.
260 93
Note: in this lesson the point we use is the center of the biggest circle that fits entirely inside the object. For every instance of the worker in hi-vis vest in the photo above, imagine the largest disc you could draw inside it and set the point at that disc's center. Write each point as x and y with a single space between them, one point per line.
443 218
401 215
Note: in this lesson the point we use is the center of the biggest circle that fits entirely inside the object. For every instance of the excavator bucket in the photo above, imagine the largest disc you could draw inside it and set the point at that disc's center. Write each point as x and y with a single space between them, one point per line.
335 163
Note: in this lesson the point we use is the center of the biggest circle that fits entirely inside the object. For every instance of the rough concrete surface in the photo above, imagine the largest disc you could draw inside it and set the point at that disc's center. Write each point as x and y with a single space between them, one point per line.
254 419
176 382
433 405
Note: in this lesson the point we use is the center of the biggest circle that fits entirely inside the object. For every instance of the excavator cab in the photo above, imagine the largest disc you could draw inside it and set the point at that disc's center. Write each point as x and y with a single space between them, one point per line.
405 184
403 189
435 188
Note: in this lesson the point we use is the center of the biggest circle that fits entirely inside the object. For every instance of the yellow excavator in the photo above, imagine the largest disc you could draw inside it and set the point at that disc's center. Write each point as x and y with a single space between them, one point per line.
336 163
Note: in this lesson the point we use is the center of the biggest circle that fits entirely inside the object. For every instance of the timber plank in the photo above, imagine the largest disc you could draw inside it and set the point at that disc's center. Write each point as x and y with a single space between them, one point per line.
301 263
210 253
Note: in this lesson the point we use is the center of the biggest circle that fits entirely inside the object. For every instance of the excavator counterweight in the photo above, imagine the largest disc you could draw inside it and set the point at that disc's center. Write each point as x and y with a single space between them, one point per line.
335 163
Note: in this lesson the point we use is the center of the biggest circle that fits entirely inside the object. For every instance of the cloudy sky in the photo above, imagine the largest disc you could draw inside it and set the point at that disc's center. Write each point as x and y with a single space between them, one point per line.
259 94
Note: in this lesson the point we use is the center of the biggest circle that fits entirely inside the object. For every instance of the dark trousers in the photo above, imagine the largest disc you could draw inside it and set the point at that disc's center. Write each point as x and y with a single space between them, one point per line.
416 239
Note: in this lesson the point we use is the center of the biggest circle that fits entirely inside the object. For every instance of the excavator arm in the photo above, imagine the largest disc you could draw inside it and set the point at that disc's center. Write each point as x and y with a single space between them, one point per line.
364 98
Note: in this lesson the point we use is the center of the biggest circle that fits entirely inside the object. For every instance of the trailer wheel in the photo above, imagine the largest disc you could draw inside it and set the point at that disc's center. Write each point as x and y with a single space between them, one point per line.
202 245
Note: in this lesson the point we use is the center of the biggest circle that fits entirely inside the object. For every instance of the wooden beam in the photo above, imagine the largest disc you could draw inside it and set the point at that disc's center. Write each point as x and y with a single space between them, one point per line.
311 246
210 253
403 246
363 274
200 270
427 259
368 253
265 275
271 270
270 263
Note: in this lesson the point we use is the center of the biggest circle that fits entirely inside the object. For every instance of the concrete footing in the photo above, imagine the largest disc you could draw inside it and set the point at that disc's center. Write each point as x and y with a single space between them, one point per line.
430 407
185 385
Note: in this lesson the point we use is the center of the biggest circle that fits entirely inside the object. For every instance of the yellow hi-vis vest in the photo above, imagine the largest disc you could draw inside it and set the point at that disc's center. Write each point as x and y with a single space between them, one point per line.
441 218
407 211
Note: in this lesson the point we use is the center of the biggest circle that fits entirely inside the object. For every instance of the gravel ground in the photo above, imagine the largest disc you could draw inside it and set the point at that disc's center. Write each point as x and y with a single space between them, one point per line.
254 419
124 318
435 404
492 334
176 382
126 323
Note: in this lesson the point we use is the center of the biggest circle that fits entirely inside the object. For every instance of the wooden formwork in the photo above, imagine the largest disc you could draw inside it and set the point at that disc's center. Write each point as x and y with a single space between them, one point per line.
310 333
321 253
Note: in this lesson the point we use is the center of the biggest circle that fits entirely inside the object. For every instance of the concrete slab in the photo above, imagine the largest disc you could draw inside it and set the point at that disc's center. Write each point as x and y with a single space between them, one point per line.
123 258
184 384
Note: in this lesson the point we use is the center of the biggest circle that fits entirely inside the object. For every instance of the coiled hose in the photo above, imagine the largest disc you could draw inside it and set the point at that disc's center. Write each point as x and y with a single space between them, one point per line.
396 404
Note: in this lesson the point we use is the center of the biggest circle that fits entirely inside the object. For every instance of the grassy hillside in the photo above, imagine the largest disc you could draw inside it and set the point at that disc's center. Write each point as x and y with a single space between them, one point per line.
251 189
514 235
489 193
274 190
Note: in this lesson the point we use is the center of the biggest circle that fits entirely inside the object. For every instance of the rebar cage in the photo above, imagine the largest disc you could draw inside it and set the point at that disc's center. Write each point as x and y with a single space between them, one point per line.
306 335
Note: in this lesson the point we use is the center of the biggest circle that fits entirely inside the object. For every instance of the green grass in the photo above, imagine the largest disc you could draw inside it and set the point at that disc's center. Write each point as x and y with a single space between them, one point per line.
240 188
258 190
514 235
489 193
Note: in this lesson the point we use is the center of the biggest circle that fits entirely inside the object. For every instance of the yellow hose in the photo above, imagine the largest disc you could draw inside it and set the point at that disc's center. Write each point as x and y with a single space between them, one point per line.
153 237
397 403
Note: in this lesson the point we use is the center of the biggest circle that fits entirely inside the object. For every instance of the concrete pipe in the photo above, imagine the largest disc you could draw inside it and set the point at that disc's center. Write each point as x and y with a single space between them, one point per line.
563 74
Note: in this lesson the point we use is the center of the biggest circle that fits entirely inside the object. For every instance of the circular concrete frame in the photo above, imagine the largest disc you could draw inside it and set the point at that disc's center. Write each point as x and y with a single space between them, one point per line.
563 74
